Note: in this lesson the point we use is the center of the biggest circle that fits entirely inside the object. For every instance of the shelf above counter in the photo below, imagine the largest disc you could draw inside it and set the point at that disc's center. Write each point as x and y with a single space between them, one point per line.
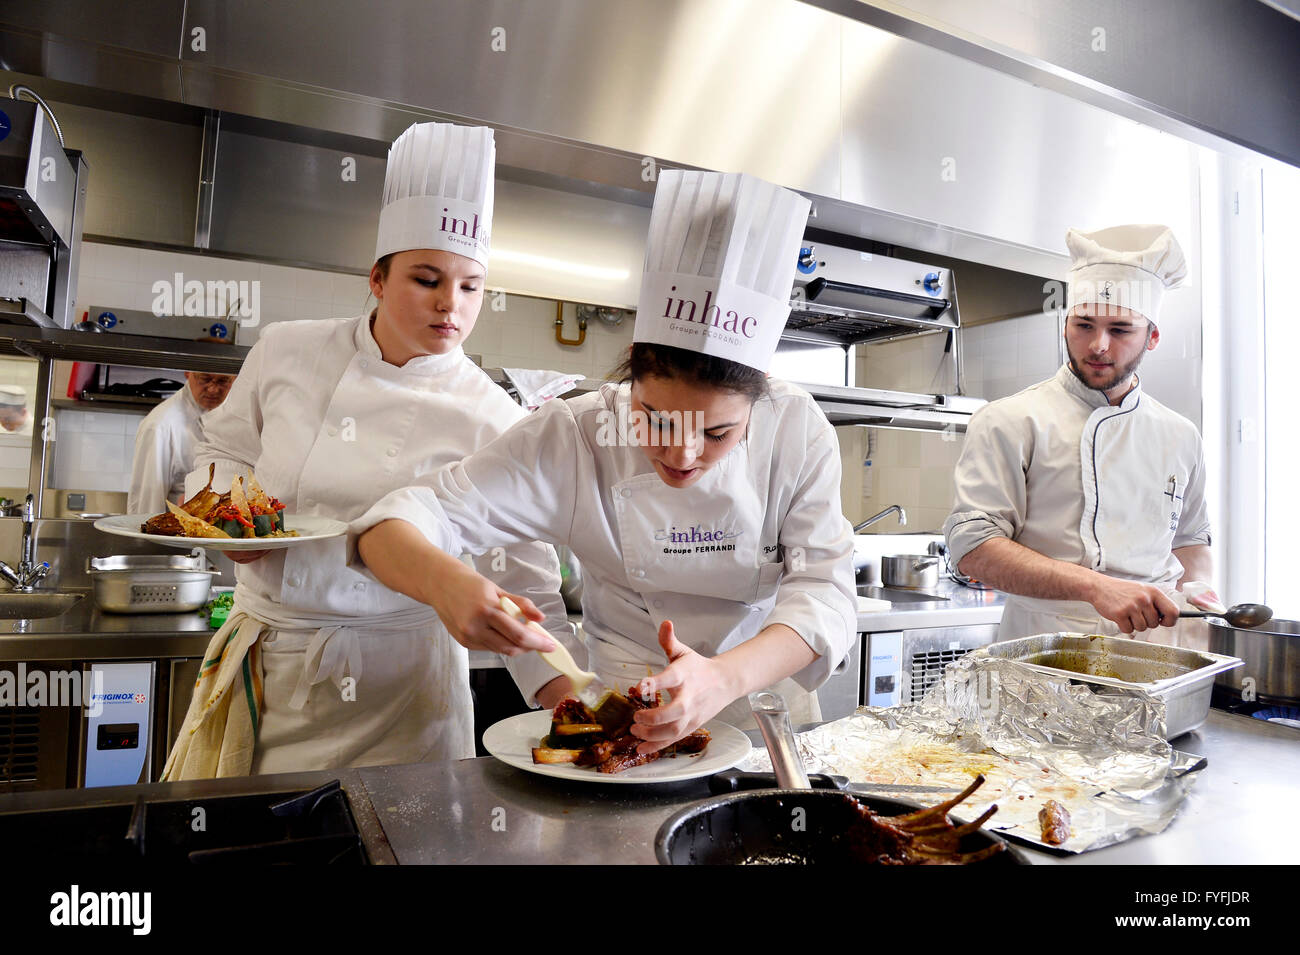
142 351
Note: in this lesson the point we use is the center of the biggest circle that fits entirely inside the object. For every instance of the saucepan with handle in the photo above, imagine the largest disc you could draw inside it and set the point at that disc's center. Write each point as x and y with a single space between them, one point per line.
914 571
791 824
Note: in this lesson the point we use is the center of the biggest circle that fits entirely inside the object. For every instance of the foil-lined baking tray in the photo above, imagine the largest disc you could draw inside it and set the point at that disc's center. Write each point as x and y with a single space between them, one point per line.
1033 735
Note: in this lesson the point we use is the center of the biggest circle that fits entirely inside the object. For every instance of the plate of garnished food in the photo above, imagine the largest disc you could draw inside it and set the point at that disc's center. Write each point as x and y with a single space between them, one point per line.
585 744
243 518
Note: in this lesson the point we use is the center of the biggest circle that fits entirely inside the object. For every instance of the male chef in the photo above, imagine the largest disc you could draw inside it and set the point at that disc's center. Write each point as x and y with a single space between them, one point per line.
1083 497
167 439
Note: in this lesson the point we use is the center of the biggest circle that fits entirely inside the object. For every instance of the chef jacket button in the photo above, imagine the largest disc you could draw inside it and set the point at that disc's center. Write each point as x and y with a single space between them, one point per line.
392 452
333 431
659 603
639 573
364 363
295 581
627 492
359 585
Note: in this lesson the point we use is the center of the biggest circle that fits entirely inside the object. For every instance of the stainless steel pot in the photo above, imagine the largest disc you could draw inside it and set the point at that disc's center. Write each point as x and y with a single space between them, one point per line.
151 583
917 571
1272 655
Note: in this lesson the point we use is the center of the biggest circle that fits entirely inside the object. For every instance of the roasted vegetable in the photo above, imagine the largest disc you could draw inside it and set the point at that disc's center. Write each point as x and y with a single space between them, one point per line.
550 757
229 515
193 526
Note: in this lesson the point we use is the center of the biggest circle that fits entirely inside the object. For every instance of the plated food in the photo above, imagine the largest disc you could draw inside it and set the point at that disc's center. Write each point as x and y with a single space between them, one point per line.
245 511
601 738
513 739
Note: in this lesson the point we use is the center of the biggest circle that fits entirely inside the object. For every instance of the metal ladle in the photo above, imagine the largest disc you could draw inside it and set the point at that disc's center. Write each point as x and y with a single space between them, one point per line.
1241 616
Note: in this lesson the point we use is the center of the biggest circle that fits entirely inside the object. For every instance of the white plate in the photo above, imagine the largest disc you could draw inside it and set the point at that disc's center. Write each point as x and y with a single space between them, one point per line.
309 529
512 741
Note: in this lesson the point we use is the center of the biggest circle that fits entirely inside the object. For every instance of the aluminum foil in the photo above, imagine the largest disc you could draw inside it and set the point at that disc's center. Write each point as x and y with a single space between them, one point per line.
1103 756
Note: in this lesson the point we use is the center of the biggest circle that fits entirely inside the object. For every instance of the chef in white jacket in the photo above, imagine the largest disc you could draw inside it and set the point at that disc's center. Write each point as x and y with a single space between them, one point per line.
1083 497
166 440
333 414
701 499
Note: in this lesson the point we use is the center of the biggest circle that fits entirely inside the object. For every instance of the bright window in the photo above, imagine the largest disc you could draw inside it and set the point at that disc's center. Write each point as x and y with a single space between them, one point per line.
1281 194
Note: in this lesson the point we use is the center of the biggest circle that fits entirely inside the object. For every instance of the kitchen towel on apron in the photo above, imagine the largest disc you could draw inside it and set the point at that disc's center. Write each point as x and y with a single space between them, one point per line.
220 728
218 739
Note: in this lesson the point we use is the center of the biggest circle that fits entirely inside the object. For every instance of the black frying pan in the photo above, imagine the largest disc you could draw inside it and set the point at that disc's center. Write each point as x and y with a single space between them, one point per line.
784 827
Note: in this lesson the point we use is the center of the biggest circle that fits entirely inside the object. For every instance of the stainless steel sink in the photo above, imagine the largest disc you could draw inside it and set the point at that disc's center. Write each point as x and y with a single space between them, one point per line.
898 595
36 605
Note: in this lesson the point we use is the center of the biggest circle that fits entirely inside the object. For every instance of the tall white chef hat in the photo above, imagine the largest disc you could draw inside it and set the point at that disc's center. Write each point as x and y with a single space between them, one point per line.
438 191
1126 265
719 265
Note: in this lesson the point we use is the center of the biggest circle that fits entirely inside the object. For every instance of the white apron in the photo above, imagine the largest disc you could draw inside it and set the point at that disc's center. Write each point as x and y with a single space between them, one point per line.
672 574
398 682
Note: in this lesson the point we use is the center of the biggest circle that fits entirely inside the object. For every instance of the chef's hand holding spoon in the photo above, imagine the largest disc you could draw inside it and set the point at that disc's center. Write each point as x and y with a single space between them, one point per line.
1133 606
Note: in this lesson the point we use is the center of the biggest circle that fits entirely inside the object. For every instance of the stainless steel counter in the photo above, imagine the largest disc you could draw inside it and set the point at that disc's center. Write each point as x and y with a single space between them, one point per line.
964 607
485 812
482 811
87 633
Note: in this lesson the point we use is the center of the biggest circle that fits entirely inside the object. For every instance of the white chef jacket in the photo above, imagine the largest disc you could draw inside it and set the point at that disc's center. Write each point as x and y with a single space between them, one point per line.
760 539
164 453
329 427
1057 468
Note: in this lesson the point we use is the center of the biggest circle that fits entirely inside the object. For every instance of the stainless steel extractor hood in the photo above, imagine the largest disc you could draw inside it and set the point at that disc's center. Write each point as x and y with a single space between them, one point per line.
845 299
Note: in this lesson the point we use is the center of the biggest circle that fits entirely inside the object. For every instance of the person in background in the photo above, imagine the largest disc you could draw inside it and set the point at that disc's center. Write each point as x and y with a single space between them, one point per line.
14 416
1082 496
167 438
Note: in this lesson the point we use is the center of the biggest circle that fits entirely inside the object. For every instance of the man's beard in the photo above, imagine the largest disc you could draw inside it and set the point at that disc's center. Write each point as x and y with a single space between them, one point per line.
1121 375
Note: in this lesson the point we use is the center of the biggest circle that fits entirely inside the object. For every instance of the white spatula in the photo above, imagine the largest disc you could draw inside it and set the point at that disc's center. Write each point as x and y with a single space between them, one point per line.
587 687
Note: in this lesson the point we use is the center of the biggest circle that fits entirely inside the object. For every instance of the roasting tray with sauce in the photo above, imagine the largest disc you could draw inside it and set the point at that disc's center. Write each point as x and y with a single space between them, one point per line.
1182 679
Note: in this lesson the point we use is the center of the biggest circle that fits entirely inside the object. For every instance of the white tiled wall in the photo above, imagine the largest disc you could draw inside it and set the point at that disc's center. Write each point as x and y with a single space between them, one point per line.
93 451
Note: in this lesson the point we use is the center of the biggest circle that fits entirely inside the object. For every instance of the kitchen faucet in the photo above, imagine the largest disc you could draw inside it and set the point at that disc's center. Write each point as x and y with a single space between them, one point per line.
29 572
902 518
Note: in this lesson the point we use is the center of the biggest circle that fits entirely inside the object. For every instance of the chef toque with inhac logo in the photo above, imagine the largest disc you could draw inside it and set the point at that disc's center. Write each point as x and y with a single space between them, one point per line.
1129 266
438 191
719 265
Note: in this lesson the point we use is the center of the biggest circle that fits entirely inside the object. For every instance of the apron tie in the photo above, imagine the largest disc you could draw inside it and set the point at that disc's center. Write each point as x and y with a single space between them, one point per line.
334 652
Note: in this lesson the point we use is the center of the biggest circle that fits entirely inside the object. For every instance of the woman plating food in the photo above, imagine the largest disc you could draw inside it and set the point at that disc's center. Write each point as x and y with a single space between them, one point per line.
701 499
331 415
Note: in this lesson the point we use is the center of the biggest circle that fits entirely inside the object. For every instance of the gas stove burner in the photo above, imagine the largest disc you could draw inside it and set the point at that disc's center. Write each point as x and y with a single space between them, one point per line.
1279 715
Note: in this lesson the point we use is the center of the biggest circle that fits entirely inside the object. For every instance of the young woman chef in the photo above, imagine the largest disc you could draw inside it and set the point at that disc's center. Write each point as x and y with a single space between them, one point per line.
331 415
701 499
